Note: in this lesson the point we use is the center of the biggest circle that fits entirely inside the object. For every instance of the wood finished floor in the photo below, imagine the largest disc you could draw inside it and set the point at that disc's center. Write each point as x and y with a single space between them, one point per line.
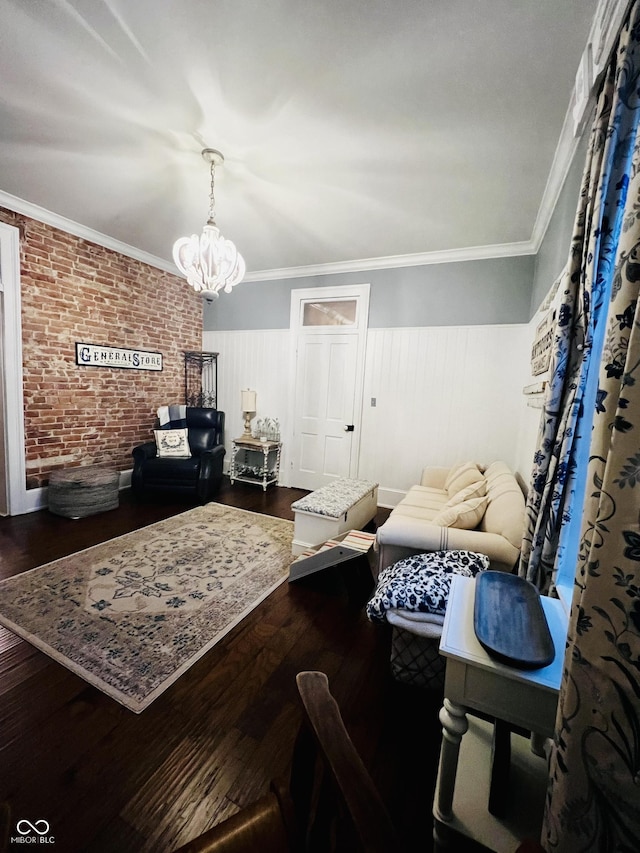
110 781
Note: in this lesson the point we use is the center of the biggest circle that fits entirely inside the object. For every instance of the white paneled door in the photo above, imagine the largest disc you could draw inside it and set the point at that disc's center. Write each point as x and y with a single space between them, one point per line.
325 389
329 361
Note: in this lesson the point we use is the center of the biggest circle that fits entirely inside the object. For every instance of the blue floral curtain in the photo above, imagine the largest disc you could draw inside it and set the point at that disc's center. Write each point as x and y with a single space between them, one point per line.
556 487
593 800
594 795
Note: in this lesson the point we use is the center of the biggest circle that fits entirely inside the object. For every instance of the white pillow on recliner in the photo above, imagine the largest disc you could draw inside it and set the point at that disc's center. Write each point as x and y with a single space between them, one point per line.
173 443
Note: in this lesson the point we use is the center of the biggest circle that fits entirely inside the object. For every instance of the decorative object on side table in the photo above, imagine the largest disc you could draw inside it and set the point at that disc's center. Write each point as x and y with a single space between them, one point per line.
267 429
509 621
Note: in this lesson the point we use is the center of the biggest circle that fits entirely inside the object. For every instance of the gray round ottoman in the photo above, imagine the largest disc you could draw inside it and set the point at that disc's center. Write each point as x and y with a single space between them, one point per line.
76 492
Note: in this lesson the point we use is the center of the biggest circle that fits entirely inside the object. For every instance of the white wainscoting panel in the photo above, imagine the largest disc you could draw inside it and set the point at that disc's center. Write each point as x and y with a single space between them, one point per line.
443 394
258 360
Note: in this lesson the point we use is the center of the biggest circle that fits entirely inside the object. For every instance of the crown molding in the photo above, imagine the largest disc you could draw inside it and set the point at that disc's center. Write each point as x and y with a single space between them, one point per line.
41 214
607 21
562 159
446 256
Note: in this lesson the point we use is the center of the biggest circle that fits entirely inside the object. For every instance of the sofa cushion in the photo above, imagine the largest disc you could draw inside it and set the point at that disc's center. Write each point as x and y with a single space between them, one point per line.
455 470
465 516
422 582
423 513
427 498
475 490
505 511
461 477
429 490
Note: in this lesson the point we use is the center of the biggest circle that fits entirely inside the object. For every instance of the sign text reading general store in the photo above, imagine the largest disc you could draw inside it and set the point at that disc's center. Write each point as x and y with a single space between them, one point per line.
90 355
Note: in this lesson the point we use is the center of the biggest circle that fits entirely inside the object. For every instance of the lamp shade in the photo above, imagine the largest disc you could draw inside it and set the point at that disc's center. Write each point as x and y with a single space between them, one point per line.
248 401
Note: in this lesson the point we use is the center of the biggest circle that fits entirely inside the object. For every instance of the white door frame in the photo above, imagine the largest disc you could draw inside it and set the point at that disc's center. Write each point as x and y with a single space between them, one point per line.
298 297
14 441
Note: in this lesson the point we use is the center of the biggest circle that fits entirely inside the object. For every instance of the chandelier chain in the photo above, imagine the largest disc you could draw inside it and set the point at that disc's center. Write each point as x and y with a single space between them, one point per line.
209 262
212 200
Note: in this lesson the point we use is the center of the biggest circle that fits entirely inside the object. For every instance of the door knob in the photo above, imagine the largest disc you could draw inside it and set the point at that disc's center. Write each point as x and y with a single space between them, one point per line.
349 428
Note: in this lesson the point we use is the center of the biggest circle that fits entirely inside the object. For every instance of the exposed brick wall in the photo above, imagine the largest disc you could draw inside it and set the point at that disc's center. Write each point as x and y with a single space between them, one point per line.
73 290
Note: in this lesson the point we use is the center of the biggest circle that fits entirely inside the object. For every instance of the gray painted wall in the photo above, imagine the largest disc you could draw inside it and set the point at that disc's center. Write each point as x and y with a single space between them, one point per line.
497 290
466 293
554 251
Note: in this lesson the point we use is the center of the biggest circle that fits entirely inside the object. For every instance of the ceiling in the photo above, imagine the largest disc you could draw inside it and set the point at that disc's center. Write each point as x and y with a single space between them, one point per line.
352 130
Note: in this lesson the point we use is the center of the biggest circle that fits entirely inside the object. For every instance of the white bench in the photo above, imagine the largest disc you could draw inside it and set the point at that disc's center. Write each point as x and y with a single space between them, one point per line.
331 510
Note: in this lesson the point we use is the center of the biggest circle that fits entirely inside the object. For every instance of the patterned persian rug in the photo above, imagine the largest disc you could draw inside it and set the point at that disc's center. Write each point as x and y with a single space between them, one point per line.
132 615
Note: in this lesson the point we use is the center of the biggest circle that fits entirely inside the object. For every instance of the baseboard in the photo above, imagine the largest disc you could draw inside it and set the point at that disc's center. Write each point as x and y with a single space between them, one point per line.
35 499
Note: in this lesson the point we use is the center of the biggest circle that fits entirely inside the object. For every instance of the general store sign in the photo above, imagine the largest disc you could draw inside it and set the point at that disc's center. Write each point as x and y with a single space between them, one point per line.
90 355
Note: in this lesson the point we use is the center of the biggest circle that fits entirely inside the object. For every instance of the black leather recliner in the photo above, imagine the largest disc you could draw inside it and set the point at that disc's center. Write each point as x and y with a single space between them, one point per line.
200 475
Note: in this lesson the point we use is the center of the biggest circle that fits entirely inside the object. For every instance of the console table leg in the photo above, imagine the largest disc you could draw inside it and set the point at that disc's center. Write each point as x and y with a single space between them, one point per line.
454 724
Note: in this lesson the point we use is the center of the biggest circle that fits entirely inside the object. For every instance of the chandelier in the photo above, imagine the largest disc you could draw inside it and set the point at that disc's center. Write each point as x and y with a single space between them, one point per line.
209 262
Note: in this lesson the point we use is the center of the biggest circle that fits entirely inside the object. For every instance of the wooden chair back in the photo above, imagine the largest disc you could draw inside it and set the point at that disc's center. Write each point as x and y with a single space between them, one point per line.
330 803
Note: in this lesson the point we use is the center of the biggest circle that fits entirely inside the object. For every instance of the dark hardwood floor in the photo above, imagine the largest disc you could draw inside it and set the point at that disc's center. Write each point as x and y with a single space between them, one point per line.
110 781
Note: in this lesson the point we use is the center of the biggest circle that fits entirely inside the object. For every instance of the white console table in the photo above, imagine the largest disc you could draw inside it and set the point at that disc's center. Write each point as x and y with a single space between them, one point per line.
475 681
255 461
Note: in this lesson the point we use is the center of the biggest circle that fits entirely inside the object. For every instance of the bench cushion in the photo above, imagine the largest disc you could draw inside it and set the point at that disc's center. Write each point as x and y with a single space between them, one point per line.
334 499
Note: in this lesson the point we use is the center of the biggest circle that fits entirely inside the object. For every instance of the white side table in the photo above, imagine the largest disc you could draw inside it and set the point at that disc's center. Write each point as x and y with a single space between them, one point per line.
255 461
475 681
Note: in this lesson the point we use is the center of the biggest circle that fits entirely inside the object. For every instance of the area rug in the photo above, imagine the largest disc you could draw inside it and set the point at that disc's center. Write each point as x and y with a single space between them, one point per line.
131 615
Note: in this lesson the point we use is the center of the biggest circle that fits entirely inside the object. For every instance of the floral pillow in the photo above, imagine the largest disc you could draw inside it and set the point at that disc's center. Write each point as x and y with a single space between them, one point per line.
173 443
422 582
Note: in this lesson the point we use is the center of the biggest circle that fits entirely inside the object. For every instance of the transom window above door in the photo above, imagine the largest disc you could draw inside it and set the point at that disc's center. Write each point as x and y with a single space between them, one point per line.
339 312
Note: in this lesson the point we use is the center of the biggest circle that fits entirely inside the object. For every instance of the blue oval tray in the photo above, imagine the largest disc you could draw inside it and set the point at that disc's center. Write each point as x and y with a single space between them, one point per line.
509 621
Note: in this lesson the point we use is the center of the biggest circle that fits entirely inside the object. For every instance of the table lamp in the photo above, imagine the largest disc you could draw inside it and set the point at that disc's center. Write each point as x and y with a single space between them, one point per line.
248 409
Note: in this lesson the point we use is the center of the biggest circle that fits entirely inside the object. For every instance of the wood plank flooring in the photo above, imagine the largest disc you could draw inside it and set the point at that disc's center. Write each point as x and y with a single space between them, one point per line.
110 781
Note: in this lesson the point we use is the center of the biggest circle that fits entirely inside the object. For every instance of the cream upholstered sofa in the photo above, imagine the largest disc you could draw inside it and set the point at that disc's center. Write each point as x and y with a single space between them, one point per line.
460 509
463 507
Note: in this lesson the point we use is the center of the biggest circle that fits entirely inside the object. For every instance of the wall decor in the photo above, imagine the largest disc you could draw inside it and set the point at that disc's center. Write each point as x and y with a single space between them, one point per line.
535 388
91 355
534 394
201 379
542 344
